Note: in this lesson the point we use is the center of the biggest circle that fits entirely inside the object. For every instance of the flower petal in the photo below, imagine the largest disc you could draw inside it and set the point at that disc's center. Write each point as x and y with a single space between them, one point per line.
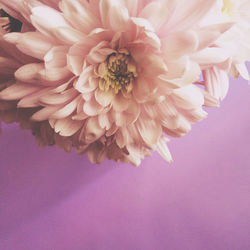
67 126
163 150
18 91
66 111
92 107
113 15
78 14
179 44
149 130
120 103
188 97
45 19
104 98
156 14
91 131
30 43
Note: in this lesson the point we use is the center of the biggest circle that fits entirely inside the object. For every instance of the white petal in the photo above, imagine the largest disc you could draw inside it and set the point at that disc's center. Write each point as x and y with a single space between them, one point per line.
188 97
67 126
163 150
210 56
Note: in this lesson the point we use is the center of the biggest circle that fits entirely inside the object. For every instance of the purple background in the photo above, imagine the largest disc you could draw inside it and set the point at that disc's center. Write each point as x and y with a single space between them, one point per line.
50 200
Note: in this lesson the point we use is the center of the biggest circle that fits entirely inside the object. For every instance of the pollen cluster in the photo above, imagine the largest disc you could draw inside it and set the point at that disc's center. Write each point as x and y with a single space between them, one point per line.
118 72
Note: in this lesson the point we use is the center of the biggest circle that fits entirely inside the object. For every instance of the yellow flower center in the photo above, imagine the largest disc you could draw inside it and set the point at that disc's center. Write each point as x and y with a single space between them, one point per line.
228 7
117 72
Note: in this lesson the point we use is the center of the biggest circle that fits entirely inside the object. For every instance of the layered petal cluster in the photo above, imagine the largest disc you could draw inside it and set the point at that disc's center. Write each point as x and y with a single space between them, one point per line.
10 60
113 78
230 52
9 63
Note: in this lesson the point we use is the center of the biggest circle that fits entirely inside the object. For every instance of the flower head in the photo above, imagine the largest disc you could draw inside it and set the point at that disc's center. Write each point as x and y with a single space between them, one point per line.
112 77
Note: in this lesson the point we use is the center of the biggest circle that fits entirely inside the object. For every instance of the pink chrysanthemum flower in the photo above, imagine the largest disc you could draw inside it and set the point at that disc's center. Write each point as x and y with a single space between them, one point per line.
112 77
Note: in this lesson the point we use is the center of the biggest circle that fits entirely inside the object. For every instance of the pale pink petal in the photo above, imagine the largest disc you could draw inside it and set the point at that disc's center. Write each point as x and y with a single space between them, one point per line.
149 130
30 43
32 100
180 125
82 84
54 75
68 35
120 119
104 98
153 65
113 15
112 130
132 112
187 15
119 103
28 72
210 56
56 57
216 82
242 69
75 58
91 131
163 150
156 14
45 18
92 107
36 73
141 90
18 91
195 115
63 86
207 35
52 98
66 111
45 113
132 6
122 137
209 100
188 97
95 56
179 44
104 121
78 14
142 23
67 126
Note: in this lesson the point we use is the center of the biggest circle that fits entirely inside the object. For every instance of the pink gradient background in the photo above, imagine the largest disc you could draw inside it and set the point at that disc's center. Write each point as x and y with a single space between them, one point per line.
50 200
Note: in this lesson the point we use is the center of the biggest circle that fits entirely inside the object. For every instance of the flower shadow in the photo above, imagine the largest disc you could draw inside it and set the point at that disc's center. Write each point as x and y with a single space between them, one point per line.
33 180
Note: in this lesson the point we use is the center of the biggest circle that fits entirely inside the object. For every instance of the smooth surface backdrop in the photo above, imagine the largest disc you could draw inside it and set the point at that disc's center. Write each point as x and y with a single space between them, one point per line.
51 200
